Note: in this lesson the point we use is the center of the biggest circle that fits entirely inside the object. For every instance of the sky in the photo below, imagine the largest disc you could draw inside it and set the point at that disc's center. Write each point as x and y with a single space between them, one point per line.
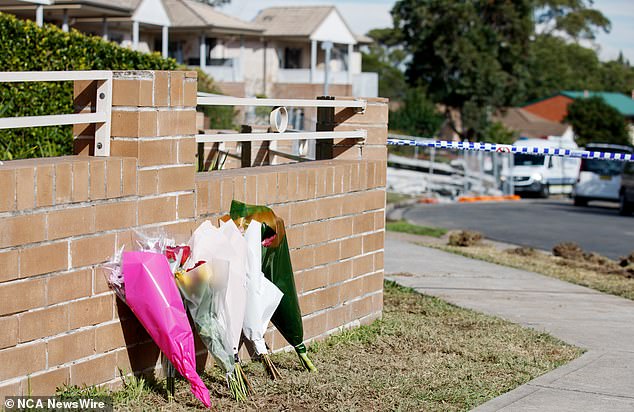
363 15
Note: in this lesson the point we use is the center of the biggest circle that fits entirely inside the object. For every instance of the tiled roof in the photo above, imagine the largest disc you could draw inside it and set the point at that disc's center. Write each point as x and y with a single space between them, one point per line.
621 102
292 21
528 124
190 13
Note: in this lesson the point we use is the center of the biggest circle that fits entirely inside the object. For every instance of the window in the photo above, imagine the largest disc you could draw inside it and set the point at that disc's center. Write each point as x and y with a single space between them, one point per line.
292 58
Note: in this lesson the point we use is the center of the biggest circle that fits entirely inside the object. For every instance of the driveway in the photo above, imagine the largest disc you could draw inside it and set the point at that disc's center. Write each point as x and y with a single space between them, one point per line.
537 223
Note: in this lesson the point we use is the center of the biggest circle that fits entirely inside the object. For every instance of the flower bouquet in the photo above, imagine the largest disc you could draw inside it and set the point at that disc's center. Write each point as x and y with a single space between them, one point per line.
263 297
144 281
276 266
225 303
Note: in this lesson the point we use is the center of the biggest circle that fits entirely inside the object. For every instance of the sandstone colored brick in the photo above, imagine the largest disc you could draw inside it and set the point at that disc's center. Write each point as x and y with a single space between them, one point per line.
282 186
339 271
63 182
314 279
174 179
99 283
316 232
378 261
71 347
94 371
373 283
375 113
113 177
138 358
22 230
109 337
68 286
147 182
81 180
350 247
115 215
134 123
22 360
363 265
363 223
8 195
9 328
361 308
11 389
8 265
25 188
91 311
43 322
186 206
315 325
303 258
161 88
339 228
97 178
226 194
328 252
32 294
319 300
339 316
187 149
190 90
124 148
44 180
132 92
129 177
303 212
372 242
177 89
157 152
351 289
161 209
374 152
92 250
251 190
46 383
71 222
43 259
202 197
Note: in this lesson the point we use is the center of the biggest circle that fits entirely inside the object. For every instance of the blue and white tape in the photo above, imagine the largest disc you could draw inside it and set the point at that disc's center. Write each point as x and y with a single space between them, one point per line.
505 148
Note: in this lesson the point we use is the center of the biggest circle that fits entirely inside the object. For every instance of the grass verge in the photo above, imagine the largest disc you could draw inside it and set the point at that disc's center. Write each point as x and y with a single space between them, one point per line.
425 354
548 265
404 226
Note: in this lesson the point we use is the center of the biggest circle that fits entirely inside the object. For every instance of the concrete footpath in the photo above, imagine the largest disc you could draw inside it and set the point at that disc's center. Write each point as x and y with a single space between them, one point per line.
600 380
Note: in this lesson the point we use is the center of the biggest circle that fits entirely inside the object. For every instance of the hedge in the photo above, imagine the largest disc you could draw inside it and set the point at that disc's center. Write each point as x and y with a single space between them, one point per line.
26 47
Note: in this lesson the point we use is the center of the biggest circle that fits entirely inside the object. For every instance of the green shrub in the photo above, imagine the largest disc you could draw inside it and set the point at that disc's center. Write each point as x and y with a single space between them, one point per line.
27 47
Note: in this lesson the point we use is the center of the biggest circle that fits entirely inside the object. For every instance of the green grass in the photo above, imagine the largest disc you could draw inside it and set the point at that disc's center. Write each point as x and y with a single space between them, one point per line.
424 354
406 227
392 197
549 265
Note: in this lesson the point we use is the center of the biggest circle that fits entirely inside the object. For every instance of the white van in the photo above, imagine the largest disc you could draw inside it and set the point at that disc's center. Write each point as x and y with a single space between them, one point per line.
544 175
599 179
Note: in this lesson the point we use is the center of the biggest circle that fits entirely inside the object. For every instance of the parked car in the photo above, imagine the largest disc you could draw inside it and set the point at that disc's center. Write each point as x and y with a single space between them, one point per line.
544 175
626 192
599 179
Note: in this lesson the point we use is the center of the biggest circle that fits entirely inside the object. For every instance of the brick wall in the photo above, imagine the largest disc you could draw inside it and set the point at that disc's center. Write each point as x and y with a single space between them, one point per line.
62 217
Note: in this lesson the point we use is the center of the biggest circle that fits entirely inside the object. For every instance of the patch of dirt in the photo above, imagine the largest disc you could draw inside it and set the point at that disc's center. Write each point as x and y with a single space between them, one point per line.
574 256
522 251
464 238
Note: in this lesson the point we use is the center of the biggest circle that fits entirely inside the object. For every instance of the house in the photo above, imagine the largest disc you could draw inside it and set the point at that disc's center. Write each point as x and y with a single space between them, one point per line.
282 53
555 108
529 125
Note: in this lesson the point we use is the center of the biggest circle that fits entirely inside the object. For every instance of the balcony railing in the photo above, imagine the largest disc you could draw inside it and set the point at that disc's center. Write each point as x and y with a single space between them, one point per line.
100 117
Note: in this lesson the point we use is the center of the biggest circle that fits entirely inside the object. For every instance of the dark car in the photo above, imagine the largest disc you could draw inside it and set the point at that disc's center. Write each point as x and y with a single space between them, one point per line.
626 193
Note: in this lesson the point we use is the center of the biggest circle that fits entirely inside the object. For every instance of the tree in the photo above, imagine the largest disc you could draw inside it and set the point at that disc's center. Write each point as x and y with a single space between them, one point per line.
385 57
593 120
576 18
417 116
468 54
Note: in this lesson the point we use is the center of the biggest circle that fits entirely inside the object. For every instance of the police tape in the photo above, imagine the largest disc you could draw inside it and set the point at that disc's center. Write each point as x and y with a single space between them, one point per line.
505 148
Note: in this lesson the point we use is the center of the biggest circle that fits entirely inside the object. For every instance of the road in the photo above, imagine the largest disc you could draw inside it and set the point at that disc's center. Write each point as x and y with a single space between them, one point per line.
537 223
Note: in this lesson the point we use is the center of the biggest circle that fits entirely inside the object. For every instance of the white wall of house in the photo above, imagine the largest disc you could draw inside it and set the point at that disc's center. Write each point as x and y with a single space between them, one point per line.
334 29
